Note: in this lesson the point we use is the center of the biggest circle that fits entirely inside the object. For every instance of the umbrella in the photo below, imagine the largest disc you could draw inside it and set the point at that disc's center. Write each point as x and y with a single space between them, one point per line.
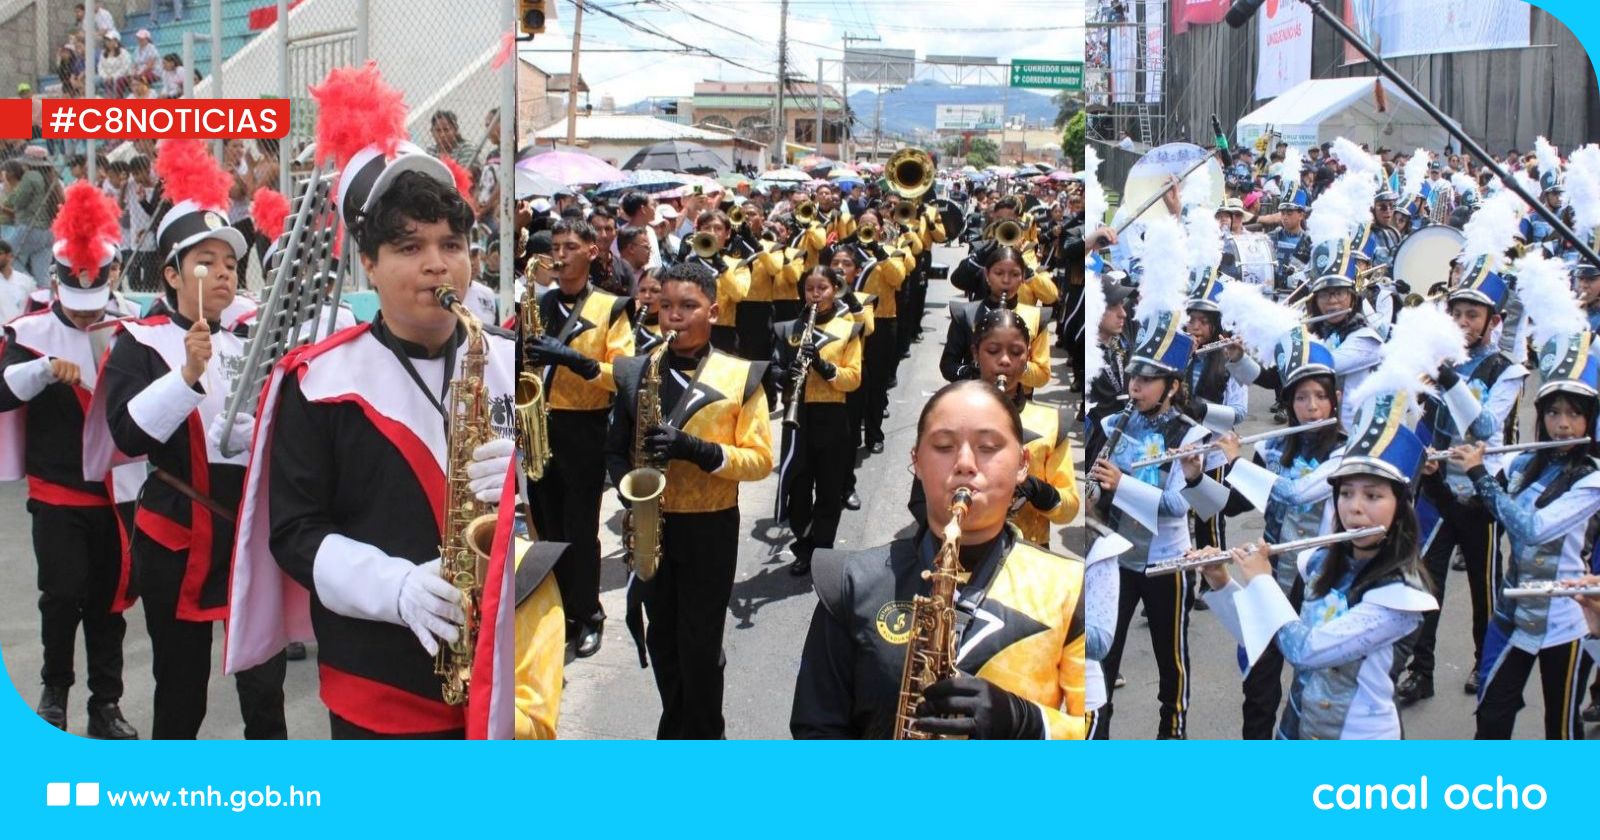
785 176
530 184
733 180
571 167
677 156
850 181
644 180
1062 175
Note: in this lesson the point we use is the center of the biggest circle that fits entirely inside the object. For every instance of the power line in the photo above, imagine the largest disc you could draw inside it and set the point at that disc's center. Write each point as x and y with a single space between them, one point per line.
595 7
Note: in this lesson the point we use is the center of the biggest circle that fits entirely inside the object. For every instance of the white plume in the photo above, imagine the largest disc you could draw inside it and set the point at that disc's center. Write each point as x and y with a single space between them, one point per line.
1423 338
1416 170
1583 188
1205 239
1548 155
1257 320
1463 183
1492 228
1094 308
1526 180
1094 195
1292 161
1339 211
1196 189
1547 298
1164 286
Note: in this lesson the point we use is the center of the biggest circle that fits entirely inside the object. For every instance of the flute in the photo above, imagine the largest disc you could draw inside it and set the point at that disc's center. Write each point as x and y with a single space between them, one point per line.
1219 344
1515 447
1551 589
1198 561
1197 449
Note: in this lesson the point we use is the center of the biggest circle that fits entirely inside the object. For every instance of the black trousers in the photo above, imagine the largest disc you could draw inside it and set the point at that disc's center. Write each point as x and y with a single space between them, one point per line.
878 364
1263 684
726 339
569 501
181 658
79 554
785 310
1168 600
755 336
911 309
340 729
818 473
1471 529
1563 670
687 606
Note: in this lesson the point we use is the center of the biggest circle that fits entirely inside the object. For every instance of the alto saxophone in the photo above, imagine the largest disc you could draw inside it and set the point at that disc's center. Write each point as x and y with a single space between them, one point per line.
802 368
644 485
462 554
532 411
931 650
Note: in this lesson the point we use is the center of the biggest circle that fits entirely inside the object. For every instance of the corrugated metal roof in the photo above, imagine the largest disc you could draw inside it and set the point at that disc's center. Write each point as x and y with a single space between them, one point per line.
724 100
630 127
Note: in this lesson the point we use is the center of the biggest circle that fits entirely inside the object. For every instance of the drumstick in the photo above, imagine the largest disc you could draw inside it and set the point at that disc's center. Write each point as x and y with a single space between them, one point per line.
200 273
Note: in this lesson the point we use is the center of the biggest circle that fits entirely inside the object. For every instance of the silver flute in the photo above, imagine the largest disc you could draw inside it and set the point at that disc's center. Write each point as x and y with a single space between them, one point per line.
1443 455
1197 449
1551 589
1213 558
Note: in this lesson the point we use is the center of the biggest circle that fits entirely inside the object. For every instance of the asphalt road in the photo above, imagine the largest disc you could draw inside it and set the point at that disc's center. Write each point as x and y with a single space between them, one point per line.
610 696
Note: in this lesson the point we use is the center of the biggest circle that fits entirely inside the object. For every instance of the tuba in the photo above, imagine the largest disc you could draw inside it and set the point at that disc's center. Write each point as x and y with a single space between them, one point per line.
644 485
931 650
532 412
462 556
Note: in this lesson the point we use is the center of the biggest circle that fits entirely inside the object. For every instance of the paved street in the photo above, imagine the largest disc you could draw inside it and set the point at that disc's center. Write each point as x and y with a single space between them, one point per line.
610 696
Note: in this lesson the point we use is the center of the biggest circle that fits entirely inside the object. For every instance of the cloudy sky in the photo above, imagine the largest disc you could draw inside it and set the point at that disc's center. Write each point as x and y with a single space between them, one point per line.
746 32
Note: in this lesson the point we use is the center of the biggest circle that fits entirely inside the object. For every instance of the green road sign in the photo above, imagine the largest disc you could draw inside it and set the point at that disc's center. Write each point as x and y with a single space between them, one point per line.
1058 75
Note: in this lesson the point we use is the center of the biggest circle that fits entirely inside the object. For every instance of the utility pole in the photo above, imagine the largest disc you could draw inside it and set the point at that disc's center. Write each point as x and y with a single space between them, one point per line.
844 77
781 129
877 124
820 123
572 78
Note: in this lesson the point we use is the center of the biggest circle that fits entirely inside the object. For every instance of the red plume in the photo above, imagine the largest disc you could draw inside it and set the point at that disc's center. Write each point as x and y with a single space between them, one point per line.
508 46
86 220
269 208
463 181
355 109
188 172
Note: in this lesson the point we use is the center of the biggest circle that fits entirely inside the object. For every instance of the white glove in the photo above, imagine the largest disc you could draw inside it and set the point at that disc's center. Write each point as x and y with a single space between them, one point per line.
244 430
487 471
29 379
430 606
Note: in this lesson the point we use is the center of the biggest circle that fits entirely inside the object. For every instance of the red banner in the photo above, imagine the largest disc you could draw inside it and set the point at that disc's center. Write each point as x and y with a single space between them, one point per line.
1185 12
165 119
16 119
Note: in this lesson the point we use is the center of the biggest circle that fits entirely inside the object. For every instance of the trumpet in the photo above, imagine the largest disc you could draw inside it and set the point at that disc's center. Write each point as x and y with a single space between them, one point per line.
1202 559
806 213
1007 232
705 245
909 173
1196 449
905 212
736 217
867 234
1551 589
1530 446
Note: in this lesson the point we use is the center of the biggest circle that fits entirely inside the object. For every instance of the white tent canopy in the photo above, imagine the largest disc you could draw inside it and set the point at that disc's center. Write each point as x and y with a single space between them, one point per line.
1318 110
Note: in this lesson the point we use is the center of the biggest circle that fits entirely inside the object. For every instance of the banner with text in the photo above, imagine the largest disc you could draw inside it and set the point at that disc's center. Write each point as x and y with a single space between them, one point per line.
1284 45
1421 27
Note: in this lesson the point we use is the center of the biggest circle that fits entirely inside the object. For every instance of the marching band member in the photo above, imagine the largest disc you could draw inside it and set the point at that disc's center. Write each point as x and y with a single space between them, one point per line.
162 396
882 277
647 313
1549 504
47 371
586 330
1004 272
814 466
733 279
1215 398
540 627
861 308
1020 658
1108 386
1587 278
715 434
352 470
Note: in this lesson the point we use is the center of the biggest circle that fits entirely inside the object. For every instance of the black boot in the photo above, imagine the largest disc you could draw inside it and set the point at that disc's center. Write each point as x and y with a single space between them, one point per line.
53 706
589 639
1413 688
1472 683
107 723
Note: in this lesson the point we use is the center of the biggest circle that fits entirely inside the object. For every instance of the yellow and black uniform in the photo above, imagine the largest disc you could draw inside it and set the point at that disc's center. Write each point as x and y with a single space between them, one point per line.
1038 289
1044 436
716 409
1023 617
647 334
786 281
755 312
841 225
816 456
733 284
928 229
541 635
956 361
881 278
595 324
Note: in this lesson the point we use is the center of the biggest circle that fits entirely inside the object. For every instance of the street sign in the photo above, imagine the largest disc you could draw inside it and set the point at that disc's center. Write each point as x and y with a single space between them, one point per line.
1058 75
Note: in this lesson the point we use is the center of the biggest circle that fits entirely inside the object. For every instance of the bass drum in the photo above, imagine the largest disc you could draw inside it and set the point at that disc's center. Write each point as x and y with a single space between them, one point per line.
1422 261
954 218
1257 258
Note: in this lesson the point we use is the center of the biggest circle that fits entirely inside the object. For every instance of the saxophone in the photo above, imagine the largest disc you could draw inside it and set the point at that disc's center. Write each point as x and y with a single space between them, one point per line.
931 650
644 485
463 555
532 412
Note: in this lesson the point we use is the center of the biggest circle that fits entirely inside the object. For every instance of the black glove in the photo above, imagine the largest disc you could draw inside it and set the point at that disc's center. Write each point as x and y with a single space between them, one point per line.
824 368
1446 377
1039 493
547 350
852 303
1194 408
675 444
977 709
967 371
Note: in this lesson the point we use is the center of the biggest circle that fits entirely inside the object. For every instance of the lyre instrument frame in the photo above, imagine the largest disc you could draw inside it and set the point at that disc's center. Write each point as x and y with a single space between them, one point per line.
1203 559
